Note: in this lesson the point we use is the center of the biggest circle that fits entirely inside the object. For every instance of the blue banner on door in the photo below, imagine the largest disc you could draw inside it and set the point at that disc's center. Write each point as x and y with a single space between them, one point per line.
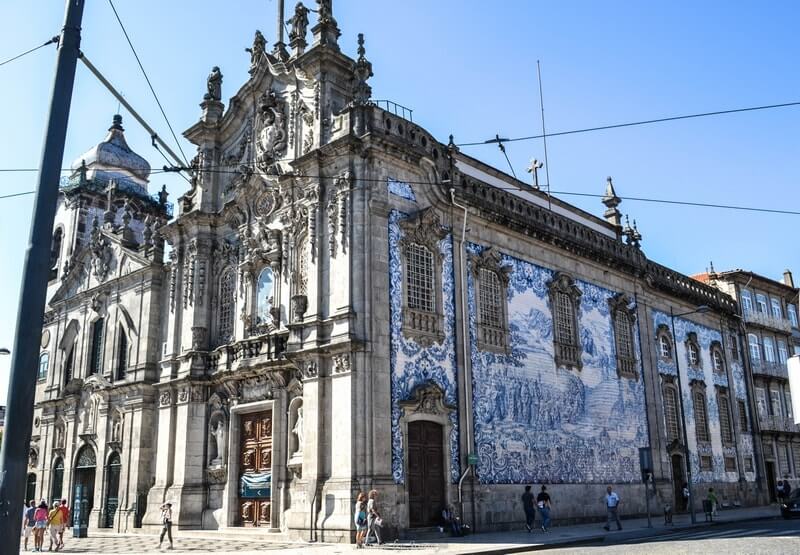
255 485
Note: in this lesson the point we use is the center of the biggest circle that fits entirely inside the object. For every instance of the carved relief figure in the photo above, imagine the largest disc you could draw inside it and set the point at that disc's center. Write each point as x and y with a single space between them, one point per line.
214 85
101 253
270 131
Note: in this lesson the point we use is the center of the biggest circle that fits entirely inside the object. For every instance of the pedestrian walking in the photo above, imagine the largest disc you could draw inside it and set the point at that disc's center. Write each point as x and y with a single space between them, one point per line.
55 523
612 501
712 498
28 522
166 521
527 505
39 525
686 494
65 522
360 519
787 487
543 504
374 520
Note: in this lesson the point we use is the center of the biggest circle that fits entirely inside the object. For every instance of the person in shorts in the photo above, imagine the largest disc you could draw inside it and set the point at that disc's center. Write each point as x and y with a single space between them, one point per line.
55 520
65 522
27 522
39 525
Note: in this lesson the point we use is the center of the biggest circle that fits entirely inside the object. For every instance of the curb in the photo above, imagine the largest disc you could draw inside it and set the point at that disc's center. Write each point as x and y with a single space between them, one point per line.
602 538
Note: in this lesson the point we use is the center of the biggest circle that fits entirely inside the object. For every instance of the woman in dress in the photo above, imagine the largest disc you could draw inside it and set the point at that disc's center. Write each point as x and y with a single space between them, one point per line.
360 519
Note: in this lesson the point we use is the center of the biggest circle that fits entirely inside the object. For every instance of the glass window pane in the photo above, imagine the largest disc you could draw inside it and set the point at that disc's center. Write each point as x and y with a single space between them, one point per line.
264 296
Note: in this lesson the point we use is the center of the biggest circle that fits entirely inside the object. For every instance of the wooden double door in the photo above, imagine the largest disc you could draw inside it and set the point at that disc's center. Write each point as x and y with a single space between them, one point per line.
426 487
255 469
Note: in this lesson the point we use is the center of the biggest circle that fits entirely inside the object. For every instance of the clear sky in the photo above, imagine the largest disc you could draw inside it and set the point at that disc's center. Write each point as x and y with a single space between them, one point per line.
468 67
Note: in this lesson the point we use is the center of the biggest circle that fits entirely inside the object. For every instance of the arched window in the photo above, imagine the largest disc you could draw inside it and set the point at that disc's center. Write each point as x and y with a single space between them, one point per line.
122 355
693 350
420 282
725 427
44 363
30 488
700 416
622 316
265 292
57 483
96 360
227 305
55 252
564 300
670 395
664 347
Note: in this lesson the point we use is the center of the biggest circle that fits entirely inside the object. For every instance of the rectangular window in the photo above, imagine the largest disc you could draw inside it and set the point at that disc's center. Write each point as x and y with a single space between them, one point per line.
769 349
783 352
700 417
747 301
96 360
776 309
671 413
725 428
783 459
742 415
730 464
761 301
792 311
775 403
706 463
755 349
748 464
761 400
420 278
788 398
491 312
733 341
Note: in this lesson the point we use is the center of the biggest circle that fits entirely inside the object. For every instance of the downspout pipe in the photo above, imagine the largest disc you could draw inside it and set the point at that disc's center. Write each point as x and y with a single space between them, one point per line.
465 346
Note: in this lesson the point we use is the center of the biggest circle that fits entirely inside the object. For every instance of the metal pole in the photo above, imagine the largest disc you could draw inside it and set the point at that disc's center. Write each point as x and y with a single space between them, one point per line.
683 417
22 384
647 498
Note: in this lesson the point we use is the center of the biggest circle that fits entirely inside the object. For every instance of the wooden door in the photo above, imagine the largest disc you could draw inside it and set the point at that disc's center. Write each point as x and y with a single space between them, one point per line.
678 479
255 451
425 473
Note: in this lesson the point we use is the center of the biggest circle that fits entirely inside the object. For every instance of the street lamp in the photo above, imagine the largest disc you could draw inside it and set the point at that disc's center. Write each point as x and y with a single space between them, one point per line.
699 310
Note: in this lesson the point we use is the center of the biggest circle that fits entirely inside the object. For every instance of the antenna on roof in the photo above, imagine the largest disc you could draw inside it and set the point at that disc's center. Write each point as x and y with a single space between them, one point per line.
544 135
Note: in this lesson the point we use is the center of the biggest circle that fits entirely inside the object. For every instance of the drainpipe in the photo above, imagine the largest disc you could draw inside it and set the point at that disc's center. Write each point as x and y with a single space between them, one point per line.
467 368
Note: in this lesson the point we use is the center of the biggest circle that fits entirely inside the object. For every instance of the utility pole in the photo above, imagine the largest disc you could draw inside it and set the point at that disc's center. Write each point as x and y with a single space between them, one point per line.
25 353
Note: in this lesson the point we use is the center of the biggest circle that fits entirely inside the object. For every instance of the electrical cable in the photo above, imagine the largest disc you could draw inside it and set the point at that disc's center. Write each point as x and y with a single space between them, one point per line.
18 56
634 123
149 84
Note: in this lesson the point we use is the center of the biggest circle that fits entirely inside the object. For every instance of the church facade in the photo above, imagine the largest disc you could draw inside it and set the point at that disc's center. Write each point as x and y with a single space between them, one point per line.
346 303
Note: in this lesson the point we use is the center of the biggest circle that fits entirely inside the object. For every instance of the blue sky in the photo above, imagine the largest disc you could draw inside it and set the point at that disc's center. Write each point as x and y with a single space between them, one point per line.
468 67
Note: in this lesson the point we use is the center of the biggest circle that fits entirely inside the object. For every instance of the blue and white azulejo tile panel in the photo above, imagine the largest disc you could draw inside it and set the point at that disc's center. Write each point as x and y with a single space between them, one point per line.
535 422
401 189
412 365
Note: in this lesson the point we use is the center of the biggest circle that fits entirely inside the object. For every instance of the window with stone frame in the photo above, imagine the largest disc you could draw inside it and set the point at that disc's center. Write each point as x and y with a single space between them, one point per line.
226 306
564 303
730 464
733 343
747 301
422 268
706 463
664 339
777 311
748 464
743 422
69 363
725 424
717 358
491 285
700 407
769 349
755 348
96 357
693 351
44 363
669 393
791 311
623 318
122 354
761 301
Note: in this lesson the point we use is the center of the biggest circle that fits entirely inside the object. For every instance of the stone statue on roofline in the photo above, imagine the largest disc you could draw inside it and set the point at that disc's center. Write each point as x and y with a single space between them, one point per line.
214 85
299 22
257 51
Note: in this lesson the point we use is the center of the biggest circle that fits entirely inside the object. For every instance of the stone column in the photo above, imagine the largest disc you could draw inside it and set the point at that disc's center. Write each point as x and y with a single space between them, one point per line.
165 454
187 491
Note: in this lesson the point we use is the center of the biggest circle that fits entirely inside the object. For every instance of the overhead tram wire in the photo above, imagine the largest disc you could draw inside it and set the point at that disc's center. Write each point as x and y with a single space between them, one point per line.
149 84
635 123
18 56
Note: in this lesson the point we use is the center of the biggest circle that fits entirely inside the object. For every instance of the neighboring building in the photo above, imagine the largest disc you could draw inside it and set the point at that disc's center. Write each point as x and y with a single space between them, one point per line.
325 326
769 311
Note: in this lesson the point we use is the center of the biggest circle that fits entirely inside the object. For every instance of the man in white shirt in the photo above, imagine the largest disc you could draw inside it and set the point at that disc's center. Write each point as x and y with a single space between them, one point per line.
612 503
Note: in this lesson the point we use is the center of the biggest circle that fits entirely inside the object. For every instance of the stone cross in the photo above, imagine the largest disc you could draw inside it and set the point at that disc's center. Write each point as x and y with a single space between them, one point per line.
534 168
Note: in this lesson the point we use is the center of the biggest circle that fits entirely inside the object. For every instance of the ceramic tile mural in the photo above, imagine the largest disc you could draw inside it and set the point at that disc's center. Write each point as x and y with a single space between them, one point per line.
401 189
538 423
413 365
705 337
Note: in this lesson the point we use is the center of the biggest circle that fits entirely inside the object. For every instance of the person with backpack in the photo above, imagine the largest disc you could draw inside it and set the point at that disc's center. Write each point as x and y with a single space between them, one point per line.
360 519
28 522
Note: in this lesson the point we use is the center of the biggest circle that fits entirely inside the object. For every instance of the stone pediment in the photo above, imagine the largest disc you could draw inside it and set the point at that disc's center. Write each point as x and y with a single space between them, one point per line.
104 259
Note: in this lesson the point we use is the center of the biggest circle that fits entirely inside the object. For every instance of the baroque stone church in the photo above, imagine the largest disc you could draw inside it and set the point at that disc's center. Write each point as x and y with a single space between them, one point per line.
342 302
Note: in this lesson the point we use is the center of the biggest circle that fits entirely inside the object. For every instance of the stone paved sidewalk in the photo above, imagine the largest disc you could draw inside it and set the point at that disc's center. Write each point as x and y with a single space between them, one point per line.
493 542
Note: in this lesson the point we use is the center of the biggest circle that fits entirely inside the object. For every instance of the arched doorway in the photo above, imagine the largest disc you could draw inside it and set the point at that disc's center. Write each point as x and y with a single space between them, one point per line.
425 473
30 488
113 470
57 483
678 479
83 496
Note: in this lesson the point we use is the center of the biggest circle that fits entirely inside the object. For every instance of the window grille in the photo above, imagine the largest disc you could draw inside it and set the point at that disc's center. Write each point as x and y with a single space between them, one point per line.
730 464
706 463
701 417
96 360
491 312
419 278
227 304
725 428
302 267
742 415
671 413
565 325
623 333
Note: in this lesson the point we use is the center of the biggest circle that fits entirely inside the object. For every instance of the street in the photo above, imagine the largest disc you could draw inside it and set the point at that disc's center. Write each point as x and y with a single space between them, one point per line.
761 536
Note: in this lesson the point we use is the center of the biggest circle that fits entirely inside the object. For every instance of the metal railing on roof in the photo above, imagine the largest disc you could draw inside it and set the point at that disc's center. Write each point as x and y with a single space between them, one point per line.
397 109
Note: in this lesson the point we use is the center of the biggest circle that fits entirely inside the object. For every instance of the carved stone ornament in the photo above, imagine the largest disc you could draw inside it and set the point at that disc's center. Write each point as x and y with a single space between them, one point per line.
33 457
217 474
427 399
310 369
341 363
271 138
424 228
299 307
165 399
101 253
259 387
491 259
199 338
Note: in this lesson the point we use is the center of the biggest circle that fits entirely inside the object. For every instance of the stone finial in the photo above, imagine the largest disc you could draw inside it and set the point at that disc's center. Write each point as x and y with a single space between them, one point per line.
82 173
361 73
612 201
110 214
631 233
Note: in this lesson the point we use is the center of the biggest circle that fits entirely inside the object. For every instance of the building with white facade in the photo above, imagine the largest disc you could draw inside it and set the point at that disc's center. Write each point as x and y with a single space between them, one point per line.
348 304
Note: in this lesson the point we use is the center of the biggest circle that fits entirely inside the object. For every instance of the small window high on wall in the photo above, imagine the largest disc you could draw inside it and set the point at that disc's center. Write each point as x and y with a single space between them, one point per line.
44 364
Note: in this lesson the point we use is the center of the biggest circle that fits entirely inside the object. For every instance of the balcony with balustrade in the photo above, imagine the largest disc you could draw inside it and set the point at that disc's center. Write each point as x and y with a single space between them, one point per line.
778 424
767 320
770 369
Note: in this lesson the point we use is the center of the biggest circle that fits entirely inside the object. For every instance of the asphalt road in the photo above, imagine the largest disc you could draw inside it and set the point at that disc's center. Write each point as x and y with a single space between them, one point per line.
772 537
